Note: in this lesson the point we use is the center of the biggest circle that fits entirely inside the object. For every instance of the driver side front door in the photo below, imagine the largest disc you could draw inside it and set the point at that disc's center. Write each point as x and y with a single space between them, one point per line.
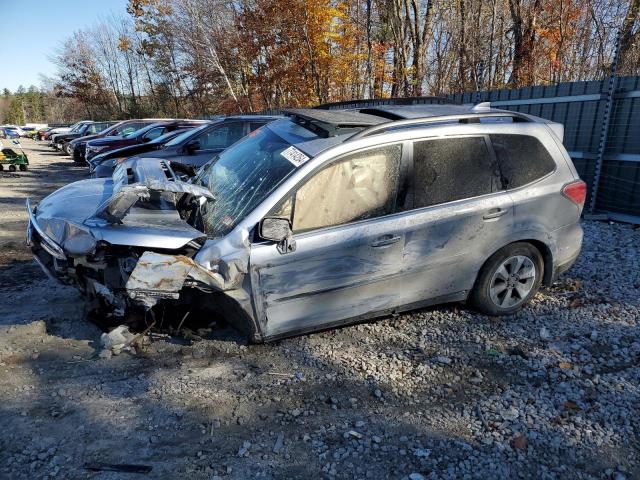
348 247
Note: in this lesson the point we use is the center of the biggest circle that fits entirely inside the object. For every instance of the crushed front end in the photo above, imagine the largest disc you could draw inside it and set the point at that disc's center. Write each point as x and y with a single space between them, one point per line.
123 242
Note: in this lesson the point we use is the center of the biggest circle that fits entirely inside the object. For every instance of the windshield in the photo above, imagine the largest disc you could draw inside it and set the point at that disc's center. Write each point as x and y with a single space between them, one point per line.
241 178
180 138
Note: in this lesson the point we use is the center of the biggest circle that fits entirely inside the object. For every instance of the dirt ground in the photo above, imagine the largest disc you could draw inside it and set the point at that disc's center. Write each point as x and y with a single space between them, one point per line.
552 392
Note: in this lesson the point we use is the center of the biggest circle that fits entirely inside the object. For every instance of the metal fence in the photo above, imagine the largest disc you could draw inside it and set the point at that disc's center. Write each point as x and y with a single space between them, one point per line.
606 151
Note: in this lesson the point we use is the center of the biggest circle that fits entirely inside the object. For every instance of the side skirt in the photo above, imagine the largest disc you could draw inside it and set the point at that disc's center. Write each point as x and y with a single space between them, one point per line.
450 298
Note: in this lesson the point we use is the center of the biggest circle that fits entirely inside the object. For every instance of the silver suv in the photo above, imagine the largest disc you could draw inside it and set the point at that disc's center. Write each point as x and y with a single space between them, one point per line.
326 218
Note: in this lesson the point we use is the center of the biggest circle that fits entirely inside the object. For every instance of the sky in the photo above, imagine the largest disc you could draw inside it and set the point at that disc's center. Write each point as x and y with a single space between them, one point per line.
32 29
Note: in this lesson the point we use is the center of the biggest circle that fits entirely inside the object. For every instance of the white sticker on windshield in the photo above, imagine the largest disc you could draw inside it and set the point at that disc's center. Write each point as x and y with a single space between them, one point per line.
294 155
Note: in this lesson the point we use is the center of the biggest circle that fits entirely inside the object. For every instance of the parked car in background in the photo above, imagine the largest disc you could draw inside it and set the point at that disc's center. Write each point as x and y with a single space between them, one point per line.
15 129
122 128
103 164
9 132
29 132
55 130
326 218
194 147
142 135
42 133
53 139
63 140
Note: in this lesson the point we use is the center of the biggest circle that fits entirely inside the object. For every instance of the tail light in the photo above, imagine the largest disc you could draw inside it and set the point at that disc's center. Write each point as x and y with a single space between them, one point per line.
576 192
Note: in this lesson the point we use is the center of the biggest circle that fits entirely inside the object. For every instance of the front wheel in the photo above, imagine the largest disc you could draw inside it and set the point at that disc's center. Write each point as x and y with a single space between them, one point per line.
508 280
68 150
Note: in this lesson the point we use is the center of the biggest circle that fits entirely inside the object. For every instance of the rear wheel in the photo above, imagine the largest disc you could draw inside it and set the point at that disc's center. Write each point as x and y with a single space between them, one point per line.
509 279
23 168
1 167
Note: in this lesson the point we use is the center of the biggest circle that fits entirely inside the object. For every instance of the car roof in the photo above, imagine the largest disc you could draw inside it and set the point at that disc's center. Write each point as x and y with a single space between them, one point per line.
333 127
259 118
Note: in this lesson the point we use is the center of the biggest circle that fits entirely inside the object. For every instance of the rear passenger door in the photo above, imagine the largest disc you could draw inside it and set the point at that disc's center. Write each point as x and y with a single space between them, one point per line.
459 211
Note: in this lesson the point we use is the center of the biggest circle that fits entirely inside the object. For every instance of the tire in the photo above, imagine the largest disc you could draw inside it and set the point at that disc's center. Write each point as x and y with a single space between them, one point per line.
508 280
67 149
12 168
1 167
23 168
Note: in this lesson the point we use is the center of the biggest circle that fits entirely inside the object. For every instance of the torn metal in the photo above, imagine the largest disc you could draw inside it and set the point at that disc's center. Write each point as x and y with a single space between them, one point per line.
119 204
157 276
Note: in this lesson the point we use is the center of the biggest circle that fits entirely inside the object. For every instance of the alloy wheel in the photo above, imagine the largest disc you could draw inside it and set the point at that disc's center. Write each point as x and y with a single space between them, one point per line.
512 282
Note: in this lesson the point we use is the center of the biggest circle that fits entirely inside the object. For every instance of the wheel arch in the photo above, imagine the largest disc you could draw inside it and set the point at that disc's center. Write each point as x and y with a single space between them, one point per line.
545 249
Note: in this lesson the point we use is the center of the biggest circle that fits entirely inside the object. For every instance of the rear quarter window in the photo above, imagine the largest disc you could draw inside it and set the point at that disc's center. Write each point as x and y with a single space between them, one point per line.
522 158
448 169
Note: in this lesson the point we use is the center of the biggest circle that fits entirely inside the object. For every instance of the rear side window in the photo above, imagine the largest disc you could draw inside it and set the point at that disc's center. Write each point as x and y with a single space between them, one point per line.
522 159
154 133
255 125
448 169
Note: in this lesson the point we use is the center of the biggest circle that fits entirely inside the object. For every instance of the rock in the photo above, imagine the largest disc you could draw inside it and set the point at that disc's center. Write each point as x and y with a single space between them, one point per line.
353 433
377 393
243 451
421 452
277 447
544 334
415 476
510 414
442 359
519 442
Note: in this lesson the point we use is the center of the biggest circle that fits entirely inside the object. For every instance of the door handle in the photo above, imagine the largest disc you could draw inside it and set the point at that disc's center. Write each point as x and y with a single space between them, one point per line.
385 240
494 213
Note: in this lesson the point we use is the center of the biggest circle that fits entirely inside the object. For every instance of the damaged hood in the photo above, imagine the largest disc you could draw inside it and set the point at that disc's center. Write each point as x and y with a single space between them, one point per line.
134 208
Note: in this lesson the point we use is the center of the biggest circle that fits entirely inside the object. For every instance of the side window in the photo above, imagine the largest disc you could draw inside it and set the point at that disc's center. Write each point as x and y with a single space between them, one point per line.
129 128
255 125
522 158
360 186
221 136
448 169
153 134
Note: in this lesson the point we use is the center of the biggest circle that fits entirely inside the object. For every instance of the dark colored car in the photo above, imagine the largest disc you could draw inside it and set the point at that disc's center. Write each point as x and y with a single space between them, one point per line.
142 135
196 147
124 127
63 140
106 162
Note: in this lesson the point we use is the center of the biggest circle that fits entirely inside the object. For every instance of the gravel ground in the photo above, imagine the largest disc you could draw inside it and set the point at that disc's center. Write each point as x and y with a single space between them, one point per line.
552 392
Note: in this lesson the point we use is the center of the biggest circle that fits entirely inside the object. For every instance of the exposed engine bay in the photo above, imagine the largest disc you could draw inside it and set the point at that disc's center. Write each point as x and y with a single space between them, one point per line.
131 244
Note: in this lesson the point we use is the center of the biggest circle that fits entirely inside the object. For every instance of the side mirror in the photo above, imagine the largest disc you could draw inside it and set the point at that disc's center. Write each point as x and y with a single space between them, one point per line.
192 146
277 229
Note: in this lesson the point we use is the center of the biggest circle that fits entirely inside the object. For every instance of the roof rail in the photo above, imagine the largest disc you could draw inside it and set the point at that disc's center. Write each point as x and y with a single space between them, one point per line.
461 118
326 123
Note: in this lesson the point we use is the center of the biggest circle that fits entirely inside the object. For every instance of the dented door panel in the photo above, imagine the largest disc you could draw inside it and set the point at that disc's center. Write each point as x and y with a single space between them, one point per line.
446 245
333 274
